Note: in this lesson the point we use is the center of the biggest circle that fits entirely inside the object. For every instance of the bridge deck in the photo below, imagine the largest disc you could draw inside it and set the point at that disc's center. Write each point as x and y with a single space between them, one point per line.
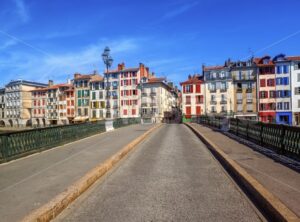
171 176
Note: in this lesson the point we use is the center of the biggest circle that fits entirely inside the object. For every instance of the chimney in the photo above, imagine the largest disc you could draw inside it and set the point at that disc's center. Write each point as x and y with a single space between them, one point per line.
121 66
76 75
190 76
50 83
142 69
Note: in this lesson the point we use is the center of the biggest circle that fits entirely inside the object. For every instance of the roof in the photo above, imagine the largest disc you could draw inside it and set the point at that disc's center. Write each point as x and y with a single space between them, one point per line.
59 86
293 58
78 76
97 78
156 79
209 68
122 71
25 82
192 80
259 61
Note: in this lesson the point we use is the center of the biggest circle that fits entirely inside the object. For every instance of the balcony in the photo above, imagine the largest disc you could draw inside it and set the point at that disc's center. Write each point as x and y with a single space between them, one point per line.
144 94
153 94
144 104
223 90
239 90
115 97
213 102
115 107
249 101
223 102
213 111
239 101
153 104
248 90
212 90
115 87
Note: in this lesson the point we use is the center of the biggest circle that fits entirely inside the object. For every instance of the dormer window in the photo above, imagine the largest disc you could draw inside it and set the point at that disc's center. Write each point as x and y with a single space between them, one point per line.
266 61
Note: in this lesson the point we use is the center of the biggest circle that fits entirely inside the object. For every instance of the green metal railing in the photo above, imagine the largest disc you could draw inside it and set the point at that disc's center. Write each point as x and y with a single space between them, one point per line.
281 138
117 123
21 143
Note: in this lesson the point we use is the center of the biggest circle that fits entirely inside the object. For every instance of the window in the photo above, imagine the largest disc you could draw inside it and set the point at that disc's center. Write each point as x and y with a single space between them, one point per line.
188 99
198 88
198 110
94 95
189 88
270 82
279 106
298 77
263 94
199 99
262 83
213 98
285 81
249 107
223 97
240 107
79 102
272 94
286 106
278 69
297 66
79 93
297 90
133 111
285 69
188 110
298 103
125 112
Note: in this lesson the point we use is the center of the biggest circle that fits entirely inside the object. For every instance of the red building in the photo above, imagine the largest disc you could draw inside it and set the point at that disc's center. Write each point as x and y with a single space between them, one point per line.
266 89
193 96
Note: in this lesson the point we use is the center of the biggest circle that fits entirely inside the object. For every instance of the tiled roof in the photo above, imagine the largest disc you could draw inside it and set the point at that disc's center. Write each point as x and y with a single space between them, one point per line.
208 68
97 78
192 80
293 58
124 70
156 79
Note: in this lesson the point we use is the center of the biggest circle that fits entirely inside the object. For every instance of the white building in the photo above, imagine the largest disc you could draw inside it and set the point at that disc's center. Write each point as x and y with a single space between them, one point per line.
2 106
295 88
158 100
18 102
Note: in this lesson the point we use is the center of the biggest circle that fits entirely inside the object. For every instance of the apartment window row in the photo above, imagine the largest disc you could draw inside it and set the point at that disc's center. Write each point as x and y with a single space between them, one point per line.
133 92
129 102
275 94
83 93
282 69
128 74
39 94
282 81
283 106
38 111
100 95
199 99
83 102
266 70
129 82
98 105
70 103
83 112
125 112
267 106
39 102
270 82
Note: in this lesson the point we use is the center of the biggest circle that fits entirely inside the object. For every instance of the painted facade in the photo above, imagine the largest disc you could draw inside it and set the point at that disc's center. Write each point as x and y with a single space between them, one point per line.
219 90
193 96
19 103
2 106
295 88
98 100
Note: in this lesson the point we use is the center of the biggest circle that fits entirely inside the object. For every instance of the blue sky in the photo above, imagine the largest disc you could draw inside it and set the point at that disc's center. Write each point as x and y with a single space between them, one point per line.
42 39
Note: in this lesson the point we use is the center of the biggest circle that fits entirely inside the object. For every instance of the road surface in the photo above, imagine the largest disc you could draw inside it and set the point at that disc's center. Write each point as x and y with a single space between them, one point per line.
171 176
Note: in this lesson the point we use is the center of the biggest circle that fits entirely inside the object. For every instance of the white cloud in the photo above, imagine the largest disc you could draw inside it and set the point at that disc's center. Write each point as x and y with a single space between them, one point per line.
21 10
41 67
8 44
179 10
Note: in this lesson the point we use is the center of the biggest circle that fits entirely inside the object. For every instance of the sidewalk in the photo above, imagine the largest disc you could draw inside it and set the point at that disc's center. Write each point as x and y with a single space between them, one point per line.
280 180
30 182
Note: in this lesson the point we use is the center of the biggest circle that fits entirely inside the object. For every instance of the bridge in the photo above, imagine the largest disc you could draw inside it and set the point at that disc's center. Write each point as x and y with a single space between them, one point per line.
151 172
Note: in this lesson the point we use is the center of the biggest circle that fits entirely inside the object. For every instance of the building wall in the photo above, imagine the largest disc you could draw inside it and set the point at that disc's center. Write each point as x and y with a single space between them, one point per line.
98 101
191 105
295 91
130 94
2 104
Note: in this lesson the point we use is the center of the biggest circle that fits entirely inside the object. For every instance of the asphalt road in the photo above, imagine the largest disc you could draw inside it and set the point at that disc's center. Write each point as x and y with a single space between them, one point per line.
30 182
171 176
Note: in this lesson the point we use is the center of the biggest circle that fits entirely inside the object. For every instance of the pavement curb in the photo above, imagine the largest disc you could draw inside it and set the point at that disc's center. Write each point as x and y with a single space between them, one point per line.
267 202
51 209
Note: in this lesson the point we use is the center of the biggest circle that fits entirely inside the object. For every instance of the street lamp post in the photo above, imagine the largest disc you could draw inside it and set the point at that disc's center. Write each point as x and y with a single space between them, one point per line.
108 60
